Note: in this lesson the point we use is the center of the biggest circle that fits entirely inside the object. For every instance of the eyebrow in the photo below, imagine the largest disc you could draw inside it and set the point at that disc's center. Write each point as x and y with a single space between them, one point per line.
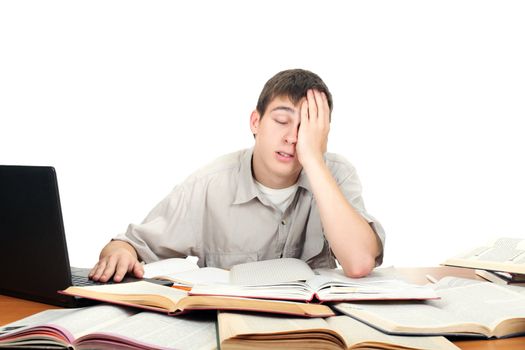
283 108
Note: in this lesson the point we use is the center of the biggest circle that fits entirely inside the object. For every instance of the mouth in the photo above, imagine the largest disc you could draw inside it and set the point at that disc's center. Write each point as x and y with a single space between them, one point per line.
284 154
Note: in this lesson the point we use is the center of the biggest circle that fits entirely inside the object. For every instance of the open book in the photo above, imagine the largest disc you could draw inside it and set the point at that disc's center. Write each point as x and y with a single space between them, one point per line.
173 301
504 254
109 327
293 279
466 308
184 273
243 331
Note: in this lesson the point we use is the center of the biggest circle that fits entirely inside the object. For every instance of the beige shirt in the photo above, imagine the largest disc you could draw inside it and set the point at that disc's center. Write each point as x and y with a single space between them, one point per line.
219 215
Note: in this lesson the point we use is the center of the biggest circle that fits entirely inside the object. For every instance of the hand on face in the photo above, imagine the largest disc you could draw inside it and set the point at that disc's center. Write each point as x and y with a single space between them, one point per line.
313 131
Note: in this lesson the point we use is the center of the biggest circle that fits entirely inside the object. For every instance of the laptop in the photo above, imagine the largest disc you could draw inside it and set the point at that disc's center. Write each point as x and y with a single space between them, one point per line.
33 249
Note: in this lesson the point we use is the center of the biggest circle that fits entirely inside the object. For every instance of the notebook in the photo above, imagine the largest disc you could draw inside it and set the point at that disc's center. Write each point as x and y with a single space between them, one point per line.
33 249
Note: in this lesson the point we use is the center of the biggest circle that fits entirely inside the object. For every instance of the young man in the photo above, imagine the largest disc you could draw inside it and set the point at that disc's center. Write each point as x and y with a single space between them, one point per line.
285 197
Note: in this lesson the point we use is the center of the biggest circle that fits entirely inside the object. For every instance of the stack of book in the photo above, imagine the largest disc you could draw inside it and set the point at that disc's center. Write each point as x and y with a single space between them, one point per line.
113 327
286 286
277 304
501 261
467 307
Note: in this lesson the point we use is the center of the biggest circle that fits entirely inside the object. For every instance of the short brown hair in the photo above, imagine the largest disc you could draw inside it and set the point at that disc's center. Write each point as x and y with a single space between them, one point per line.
293 83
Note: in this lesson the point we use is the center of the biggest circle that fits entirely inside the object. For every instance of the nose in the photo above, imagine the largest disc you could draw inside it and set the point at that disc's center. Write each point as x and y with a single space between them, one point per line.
291 135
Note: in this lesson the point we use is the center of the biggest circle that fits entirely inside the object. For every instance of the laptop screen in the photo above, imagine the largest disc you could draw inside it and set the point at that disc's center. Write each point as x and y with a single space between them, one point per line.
33 248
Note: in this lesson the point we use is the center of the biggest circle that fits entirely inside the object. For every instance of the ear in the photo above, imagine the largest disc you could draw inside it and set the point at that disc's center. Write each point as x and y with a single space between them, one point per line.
255 119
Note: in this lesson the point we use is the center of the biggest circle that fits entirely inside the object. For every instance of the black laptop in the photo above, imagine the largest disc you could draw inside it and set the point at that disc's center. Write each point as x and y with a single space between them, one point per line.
33 250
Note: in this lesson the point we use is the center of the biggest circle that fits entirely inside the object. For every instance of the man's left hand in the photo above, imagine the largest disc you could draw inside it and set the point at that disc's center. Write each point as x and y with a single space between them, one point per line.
313 132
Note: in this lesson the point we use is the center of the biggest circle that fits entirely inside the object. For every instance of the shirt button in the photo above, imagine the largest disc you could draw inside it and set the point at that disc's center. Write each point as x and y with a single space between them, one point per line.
283 222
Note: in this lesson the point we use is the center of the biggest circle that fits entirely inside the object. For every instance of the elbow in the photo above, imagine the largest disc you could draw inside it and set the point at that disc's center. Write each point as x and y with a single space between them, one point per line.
358 269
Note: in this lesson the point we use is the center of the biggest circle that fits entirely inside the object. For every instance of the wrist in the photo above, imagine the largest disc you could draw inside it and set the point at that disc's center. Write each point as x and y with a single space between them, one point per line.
116 246
312 163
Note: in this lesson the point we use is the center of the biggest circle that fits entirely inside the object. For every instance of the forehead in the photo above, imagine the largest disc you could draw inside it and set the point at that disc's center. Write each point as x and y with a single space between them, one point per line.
283 103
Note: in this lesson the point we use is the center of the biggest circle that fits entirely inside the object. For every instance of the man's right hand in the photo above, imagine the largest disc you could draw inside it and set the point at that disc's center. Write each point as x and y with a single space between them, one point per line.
116 259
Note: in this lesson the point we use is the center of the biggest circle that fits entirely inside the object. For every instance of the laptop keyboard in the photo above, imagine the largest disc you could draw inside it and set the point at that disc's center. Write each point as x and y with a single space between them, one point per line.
80 281
79 278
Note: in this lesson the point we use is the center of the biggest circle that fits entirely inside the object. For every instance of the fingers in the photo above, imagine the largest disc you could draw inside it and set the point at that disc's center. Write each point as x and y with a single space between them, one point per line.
304 113
116 266
326 110
122 267
97 271
93 270
319 110
312 105
315 109
104 269
138 270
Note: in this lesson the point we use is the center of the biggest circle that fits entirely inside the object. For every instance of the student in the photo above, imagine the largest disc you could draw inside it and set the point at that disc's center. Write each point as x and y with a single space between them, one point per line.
285 197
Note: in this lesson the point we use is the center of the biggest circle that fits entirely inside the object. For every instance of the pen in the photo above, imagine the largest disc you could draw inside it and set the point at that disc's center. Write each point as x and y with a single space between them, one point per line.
185 288
431 278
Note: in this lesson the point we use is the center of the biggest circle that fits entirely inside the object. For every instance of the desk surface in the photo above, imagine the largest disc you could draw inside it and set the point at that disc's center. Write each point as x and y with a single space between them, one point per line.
13 309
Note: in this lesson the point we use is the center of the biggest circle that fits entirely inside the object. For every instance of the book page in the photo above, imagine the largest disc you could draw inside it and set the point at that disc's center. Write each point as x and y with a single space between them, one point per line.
336 277
89 319
285 291
516 289
341 331
357 333
254 327
169 267
36 319
139 293
158 330
504 254
472 308
136 288
401 317
270 272
377 274
327 284
73 323
150 295
333 285
484 302
451 282
205 275
503 249
41 318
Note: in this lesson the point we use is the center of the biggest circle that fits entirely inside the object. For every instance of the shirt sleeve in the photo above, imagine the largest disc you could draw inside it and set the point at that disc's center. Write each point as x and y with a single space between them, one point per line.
166 232
351 187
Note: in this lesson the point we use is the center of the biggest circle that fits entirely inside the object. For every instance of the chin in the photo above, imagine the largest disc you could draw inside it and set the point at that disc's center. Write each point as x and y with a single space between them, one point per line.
289 172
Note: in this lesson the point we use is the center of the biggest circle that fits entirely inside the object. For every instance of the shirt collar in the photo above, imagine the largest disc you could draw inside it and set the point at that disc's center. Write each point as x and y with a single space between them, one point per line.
303 181
247 189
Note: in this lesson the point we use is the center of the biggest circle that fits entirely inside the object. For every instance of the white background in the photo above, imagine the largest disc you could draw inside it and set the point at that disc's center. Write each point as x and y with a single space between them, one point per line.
127 98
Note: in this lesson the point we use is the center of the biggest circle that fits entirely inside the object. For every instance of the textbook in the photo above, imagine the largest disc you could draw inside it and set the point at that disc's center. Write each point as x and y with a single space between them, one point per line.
293 279
184 273
109 327
466 308
243 331
504 254
154 297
